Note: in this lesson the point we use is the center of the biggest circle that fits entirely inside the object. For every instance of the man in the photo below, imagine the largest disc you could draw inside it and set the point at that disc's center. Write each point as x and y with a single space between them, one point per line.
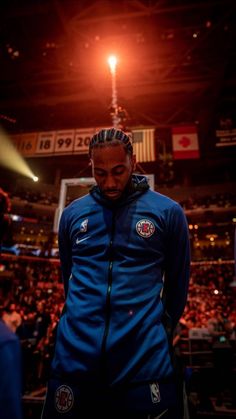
118 245
5 221
10 359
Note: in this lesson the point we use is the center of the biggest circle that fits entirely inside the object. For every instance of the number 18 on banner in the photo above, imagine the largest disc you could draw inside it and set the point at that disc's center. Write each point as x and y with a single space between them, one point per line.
45 143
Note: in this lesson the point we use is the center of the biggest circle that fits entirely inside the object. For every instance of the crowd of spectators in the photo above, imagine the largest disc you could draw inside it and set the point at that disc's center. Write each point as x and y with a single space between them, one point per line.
33 234
35 197
218 200
195 201
38 297
210 252
210 296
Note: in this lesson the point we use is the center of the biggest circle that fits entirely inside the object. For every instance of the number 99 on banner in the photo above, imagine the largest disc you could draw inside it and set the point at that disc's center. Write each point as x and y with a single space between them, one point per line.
64 141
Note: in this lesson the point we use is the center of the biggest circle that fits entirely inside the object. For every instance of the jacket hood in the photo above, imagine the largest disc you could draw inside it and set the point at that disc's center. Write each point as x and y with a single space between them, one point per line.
136 187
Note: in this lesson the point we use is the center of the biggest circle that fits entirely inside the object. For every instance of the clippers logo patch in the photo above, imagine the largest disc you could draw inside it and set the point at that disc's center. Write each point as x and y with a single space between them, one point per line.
155 392
64 399
145 228
84 226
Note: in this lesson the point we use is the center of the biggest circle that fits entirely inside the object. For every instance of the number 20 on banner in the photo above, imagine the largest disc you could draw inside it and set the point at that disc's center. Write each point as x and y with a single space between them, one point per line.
82 140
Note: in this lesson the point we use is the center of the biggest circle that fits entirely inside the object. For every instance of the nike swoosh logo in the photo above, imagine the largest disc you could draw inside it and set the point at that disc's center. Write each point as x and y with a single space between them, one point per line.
81 240
159 416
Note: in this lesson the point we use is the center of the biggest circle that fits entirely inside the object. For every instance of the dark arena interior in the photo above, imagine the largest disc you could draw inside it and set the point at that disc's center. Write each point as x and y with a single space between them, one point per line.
174 88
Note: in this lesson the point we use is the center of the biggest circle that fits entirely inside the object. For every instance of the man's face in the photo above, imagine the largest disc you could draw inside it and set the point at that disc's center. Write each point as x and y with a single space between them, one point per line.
112 169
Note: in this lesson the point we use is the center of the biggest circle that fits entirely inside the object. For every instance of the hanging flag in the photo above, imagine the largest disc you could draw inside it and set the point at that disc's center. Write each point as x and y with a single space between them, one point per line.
143 144
185 142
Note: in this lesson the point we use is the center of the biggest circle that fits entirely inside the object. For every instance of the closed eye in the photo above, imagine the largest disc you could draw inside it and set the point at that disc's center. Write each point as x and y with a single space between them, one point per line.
118 171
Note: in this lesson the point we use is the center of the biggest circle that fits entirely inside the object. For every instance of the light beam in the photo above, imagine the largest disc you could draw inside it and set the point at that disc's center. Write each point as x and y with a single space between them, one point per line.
112 61
11 159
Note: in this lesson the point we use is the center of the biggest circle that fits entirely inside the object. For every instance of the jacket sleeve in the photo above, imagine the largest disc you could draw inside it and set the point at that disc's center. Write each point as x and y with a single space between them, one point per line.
65 251
177 265
11 380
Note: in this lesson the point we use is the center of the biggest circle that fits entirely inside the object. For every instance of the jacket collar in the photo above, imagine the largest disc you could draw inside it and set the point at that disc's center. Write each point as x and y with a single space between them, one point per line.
136 187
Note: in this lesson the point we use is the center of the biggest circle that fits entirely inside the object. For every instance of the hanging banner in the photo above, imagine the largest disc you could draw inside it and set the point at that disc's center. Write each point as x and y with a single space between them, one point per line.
76 141
64 141
82 140
25 143
185 142
226 133
45 142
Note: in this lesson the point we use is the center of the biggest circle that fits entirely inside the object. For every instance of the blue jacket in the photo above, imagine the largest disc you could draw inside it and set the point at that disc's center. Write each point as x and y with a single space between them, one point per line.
10 374
115 258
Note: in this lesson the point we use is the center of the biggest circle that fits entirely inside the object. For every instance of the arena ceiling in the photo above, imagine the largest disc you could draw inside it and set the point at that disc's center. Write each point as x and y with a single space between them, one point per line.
176 62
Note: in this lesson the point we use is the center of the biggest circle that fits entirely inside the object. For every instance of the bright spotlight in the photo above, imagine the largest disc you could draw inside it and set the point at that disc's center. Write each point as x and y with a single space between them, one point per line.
112 61
35 178
11 159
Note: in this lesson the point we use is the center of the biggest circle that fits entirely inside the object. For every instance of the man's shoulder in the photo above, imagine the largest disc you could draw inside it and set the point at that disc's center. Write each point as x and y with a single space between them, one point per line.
162 200
6 335
78 203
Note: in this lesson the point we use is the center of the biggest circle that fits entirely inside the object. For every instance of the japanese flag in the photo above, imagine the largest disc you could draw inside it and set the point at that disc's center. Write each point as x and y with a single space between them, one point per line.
185 142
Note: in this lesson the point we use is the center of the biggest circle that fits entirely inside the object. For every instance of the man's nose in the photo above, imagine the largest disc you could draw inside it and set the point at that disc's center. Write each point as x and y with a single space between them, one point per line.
110 182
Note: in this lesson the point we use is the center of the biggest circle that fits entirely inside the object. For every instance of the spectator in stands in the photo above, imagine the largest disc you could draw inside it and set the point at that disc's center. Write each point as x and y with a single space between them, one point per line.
5 221
112 351
181 332
42 320
221 328
10 360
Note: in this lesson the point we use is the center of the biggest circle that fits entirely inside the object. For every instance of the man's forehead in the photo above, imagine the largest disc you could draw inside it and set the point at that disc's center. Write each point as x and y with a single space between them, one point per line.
109 167
111 156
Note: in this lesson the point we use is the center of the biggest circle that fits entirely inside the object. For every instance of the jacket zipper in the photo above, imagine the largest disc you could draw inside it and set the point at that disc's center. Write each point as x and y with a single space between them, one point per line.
108 296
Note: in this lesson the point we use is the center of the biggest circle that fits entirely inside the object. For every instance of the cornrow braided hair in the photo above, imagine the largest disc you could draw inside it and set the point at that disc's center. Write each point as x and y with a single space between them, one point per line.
105 136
